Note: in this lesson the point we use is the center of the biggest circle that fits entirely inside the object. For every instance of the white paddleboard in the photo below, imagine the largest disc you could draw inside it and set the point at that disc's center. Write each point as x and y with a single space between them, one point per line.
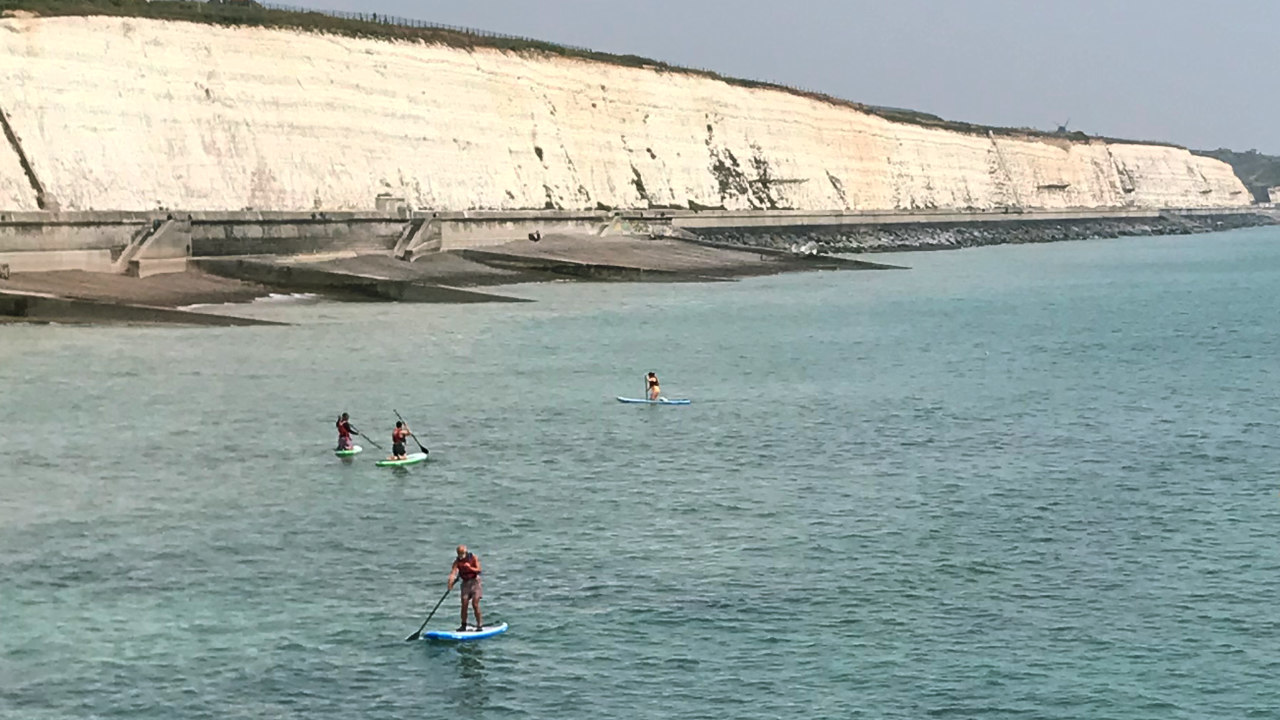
410 459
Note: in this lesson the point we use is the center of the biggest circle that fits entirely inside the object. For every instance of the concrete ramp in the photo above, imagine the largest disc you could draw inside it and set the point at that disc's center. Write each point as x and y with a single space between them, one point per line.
162 247
643 258
441 279
166 290
22 306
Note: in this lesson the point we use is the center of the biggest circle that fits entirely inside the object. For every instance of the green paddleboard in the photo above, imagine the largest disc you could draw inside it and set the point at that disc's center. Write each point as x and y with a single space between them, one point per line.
355 450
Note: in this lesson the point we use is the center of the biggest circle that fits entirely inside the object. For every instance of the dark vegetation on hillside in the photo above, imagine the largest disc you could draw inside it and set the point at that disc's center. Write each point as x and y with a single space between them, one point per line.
1257 171
372 25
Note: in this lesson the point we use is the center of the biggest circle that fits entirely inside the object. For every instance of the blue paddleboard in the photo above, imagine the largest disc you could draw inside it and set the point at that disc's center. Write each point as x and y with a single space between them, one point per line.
468 636
659 401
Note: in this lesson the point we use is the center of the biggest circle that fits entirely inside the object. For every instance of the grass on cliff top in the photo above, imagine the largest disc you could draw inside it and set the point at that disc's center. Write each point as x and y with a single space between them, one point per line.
247 13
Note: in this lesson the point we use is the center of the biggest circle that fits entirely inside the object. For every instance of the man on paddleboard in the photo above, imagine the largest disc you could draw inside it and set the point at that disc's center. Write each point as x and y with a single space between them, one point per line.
398 437
467 568
344 432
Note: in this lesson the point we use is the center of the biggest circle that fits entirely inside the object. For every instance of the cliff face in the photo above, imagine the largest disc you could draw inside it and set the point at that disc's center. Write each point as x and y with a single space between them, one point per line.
1258 172
133 114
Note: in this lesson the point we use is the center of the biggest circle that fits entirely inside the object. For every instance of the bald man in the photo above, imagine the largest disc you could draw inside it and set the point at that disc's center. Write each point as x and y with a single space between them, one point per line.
467 567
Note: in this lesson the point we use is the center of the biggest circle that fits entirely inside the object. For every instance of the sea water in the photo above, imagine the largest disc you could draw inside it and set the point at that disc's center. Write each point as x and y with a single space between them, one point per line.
1026 481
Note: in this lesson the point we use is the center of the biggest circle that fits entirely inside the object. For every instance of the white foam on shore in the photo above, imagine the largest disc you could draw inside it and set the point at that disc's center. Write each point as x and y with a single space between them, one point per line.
271 299
288 298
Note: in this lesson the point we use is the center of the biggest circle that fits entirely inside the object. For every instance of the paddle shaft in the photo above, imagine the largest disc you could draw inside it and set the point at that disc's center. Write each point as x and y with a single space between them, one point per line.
370 440
439 602
415 437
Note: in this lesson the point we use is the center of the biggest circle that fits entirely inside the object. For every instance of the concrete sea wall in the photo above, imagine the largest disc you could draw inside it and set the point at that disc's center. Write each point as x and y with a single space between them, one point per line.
142 243
132 114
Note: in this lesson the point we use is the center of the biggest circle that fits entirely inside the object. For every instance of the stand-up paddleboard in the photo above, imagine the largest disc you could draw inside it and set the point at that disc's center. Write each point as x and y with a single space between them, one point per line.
470 634
410 459
659 401
355 450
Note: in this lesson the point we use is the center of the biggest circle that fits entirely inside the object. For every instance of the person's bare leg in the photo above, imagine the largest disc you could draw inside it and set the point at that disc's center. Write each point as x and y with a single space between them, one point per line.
464 614
475 604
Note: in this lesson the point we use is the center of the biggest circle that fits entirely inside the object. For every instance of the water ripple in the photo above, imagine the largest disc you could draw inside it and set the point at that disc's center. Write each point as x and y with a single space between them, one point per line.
955 492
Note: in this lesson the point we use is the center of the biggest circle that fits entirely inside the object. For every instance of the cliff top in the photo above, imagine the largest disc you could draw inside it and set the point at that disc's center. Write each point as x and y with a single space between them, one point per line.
247 13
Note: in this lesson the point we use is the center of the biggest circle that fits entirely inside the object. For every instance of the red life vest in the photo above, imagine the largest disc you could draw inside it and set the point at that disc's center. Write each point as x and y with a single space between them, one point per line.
344 428
465 568
398 435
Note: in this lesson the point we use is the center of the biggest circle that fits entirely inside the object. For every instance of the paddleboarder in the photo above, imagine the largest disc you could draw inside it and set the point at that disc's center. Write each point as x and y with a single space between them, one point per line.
344 432
398 437
655 389
467 568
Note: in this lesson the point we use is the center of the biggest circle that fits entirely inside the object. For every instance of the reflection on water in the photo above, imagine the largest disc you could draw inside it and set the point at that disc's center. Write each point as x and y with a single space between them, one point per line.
470 661
469 691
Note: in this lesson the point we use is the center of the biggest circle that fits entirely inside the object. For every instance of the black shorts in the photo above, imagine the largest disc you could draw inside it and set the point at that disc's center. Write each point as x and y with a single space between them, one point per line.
398 449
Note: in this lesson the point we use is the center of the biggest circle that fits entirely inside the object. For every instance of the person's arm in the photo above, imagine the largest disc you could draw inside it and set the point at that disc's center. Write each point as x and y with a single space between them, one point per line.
453 574
475 563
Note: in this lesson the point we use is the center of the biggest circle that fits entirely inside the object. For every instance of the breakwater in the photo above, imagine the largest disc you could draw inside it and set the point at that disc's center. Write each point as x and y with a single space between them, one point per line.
819 239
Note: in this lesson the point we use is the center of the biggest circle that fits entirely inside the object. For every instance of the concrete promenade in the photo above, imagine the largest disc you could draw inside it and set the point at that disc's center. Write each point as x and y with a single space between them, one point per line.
131 267
145 243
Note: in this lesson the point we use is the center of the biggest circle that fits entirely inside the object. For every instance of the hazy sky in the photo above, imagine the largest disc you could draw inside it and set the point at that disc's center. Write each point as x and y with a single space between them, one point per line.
1201 74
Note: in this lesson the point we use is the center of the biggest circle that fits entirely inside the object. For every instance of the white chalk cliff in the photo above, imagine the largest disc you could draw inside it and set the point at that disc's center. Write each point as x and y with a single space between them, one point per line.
133 114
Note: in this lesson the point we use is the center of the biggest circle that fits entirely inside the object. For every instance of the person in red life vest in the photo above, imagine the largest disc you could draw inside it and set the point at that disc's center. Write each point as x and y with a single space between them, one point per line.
344 432
467 568
398 437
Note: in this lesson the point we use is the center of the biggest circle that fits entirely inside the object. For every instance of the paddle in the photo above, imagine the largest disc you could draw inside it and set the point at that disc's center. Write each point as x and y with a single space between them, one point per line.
418 634
415 437
370 440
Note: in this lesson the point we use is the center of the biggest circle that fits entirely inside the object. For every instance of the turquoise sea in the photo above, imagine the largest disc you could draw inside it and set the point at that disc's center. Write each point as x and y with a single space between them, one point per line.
1013 482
